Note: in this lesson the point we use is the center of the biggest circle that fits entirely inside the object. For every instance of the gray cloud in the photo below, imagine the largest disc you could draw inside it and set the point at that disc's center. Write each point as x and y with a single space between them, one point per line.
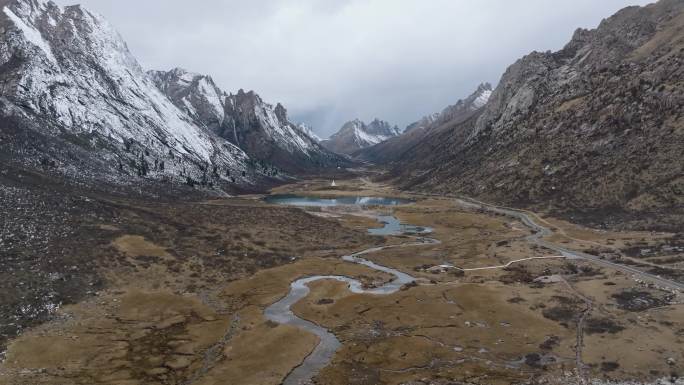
329 61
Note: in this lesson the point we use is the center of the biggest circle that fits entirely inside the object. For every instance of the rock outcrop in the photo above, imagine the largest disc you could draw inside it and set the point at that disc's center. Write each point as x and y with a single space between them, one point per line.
74 103
594 131
396 148
262 130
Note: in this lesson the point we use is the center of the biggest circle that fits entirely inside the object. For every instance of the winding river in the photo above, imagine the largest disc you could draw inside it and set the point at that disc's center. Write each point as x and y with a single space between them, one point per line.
281 311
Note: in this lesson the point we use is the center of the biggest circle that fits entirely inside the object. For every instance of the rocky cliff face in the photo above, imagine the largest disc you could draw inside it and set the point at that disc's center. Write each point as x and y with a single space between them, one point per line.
356 135
196 95
75 103
305 128
396 148
595 130
262 130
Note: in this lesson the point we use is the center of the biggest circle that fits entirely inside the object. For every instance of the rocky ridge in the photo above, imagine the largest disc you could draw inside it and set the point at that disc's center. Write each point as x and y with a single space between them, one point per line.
593 131
356 135
77 105
395 148
262 130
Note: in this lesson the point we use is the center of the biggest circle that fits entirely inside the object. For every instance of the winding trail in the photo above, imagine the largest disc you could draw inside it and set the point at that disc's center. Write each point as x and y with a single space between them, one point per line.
540 232
511 263
579 343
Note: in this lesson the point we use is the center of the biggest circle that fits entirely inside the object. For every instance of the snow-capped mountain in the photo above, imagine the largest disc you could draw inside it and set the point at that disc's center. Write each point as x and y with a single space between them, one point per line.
356 135
262 130
484 92
73 89
424 122
305 128
74 98
393 149
197 95
472 103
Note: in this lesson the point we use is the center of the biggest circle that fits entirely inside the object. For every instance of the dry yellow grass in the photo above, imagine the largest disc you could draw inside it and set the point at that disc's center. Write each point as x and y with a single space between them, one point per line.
477 328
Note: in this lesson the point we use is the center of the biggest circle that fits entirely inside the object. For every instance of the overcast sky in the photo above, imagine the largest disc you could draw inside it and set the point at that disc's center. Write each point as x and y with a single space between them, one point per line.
329 61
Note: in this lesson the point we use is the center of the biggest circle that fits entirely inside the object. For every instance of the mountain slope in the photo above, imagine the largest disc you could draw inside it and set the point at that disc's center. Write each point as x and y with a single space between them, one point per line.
594 130
75 102
260 129
394 149
356 135
309 132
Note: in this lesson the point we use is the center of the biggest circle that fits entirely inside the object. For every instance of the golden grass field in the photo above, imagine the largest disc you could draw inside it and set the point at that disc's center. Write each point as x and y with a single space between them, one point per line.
162 320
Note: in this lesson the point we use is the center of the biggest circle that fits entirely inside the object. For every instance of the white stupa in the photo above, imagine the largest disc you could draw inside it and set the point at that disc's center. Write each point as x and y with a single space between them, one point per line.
333 184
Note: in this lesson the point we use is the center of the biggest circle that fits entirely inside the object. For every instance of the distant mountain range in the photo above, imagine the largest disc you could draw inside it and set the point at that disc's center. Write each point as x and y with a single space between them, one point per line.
397 147
594 131
76 103
356 135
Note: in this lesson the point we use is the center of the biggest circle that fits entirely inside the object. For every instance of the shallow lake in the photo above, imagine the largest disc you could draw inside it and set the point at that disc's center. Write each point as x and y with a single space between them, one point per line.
310 201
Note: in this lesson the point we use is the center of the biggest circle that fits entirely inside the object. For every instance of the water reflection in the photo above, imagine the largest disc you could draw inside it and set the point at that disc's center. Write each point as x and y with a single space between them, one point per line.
308 201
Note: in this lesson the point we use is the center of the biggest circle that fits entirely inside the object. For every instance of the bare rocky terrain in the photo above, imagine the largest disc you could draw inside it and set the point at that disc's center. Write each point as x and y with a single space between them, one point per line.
593 132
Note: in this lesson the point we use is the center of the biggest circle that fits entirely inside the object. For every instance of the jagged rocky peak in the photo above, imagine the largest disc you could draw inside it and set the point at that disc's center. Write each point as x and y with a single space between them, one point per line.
308 130
71 67
266 132
70 83
382 128
356 135
462 108
481 96
193 93
474 102
262 130
281 114
619 35
395 148
624 39
423 123
378 128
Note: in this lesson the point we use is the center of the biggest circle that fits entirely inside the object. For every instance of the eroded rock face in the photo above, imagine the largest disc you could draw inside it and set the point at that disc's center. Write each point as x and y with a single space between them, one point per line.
195 94
262 130
75 103
74 97
596 128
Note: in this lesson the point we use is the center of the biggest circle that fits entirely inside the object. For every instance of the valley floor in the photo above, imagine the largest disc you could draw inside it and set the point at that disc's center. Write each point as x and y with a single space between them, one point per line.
175 293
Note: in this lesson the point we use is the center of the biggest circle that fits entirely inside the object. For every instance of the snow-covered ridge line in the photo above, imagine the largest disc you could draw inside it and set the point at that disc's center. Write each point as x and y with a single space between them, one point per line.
75 73
474 102
482 99
72 72
262 129
306 129
356 135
